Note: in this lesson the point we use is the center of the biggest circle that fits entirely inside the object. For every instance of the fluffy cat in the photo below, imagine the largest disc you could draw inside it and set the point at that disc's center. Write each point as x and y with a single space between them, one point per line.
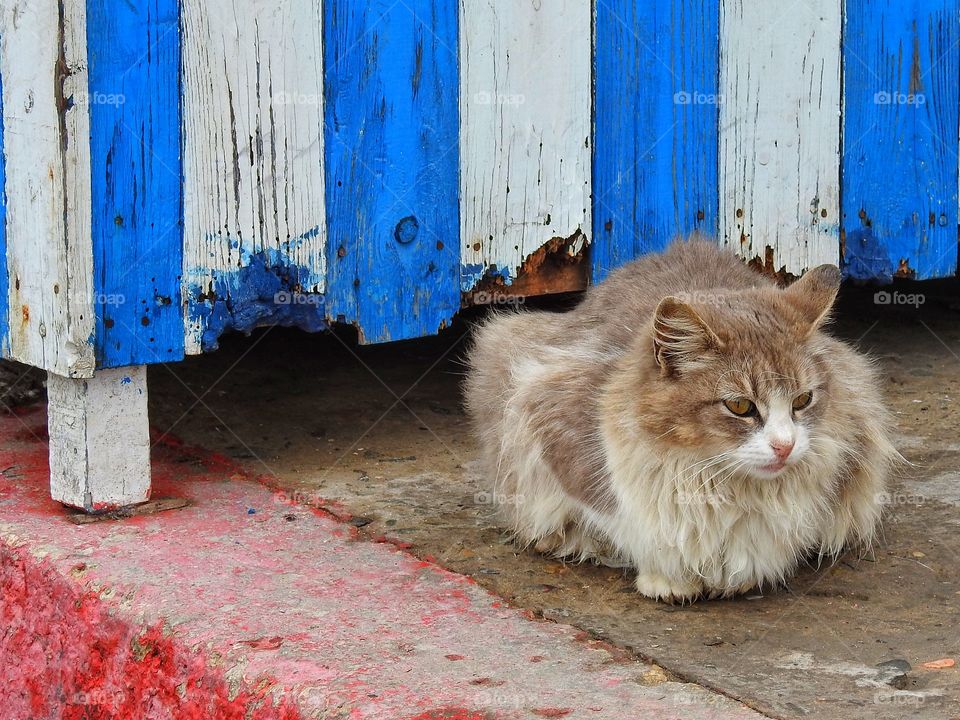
689 419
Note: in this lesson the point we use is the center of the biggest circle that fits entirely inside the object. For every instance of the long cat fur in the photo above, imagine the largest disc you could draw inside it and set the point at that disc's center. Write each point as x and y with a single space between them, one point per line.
601 427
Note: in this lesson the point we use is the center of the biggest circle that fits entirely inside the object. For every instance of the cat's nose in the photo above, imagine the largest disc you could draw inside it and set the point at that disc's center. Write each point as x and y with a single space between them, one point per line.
782 449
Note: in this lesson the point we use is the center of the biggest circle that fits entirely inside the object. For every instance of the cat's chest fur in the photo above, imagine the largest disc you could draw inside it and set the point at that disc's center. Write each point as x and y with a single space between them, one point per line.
677 510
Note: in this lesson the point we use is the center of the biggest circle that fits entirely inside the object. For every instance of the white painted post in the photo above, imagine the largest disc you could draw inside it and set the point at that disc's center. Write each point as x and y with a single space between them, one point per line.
99 439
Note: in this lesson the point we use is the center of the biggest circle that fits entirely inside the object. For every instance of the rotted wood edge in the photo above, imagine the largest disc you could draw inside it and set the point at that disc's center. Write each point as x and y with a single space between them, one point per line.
560 265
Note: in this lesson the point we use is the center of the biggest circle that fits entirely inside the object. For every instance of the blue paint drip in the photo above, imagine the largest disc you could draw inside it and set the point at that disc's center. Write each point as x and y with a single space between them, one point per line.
899 168
308 235
656 118
265 291
133 52
391 136
4 280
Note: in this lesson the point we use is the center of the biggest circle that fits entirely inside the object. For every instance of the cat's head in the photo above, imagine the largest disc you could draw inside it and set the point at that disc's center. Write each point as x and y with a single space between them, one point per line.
745 374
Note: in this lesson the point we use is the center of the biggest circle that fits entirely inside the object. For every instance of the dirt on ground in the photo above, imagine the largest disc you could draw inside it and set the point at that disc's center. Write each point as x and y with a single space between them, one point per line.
20 385
378 435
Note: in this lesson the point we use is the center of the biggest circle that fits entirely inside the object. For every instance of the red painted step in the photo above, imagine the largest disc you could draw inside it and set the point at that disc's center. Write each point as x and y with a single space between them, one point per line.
244 605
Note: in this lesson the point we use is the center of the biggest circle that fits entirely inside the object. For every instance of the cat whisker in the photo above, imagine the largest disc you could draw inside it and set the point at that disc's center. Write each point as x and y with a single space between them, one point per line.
674 428
708 462
730 474
728 470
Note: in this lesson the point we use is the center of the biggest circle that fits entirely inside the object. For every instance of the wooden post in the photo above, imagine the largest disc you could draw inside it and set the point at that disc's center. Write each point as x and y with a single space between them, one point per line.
90 238
99 439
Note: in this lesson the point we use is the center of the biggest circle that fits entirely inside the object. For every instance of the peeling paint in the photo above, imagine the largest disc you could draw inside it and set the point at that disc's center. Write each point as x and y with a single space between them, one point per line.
559 265
904 270
766 266
267 290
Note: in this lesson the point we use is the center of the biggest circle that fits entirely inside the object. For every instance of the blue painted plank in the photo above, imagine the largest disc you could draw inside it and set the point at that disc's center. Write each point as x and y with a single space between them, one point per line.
656 116
4 281
901 61
134 63
391 147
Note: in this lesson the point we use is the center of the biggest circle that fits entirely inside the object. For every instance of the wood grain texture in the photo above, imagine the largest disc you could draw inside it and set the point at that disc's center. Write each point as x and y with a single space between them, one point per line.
900 138
253 163
134 104
525 94
99 439
4 280
46 134
656 113
391 137
780 131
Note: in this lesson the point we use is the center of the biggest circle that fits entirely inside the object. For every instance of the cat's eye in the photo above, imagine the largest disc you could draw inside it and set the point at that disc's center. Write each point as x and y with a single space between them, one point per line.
741 407
802 400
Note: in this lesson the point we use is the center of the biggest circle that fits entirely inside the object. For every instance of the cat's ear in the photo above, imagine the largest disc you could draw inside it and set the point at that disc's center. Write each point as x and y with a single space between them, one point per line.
814 293
681 338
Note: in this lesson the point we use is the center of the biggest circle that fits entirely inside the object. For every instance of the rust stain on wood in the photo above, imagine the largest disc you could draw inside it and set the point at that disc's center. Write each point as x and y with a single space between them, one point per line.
765 266
904 270
559 265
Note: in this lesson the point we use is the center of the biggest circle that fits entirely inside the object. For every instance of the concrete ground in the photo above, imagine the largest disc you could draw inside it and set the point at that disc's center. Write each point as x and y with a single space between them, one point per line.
377 436
247 604
379 433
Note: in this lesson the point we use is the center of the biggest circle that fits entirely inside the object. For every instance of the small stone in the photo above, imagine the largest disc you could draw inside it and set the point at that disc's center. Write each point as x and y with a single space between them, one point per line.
654 676
894 672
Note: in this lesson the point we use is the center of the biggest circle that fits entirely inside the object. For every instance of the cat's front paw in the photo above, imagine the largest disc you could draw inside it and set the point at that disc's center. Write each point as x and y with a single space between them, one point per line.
670 590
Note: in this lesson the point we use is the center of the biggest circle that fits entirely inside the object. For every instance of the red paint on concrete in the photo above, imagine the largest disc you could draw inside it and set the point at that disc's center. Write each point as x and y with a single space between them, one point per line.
451 714
243 605
65 655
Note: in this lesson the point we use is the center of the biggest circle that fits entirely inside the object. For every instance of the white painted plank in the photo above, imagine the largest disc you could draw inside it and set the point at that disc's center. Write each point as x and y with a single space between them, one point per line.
99 438
253 140
780 130
46 143
525 129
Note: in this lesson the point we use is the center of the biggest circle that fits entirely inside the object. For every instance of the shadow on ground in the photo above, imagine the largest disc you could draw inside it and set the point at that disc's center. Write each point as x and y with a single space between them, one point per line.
379 433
